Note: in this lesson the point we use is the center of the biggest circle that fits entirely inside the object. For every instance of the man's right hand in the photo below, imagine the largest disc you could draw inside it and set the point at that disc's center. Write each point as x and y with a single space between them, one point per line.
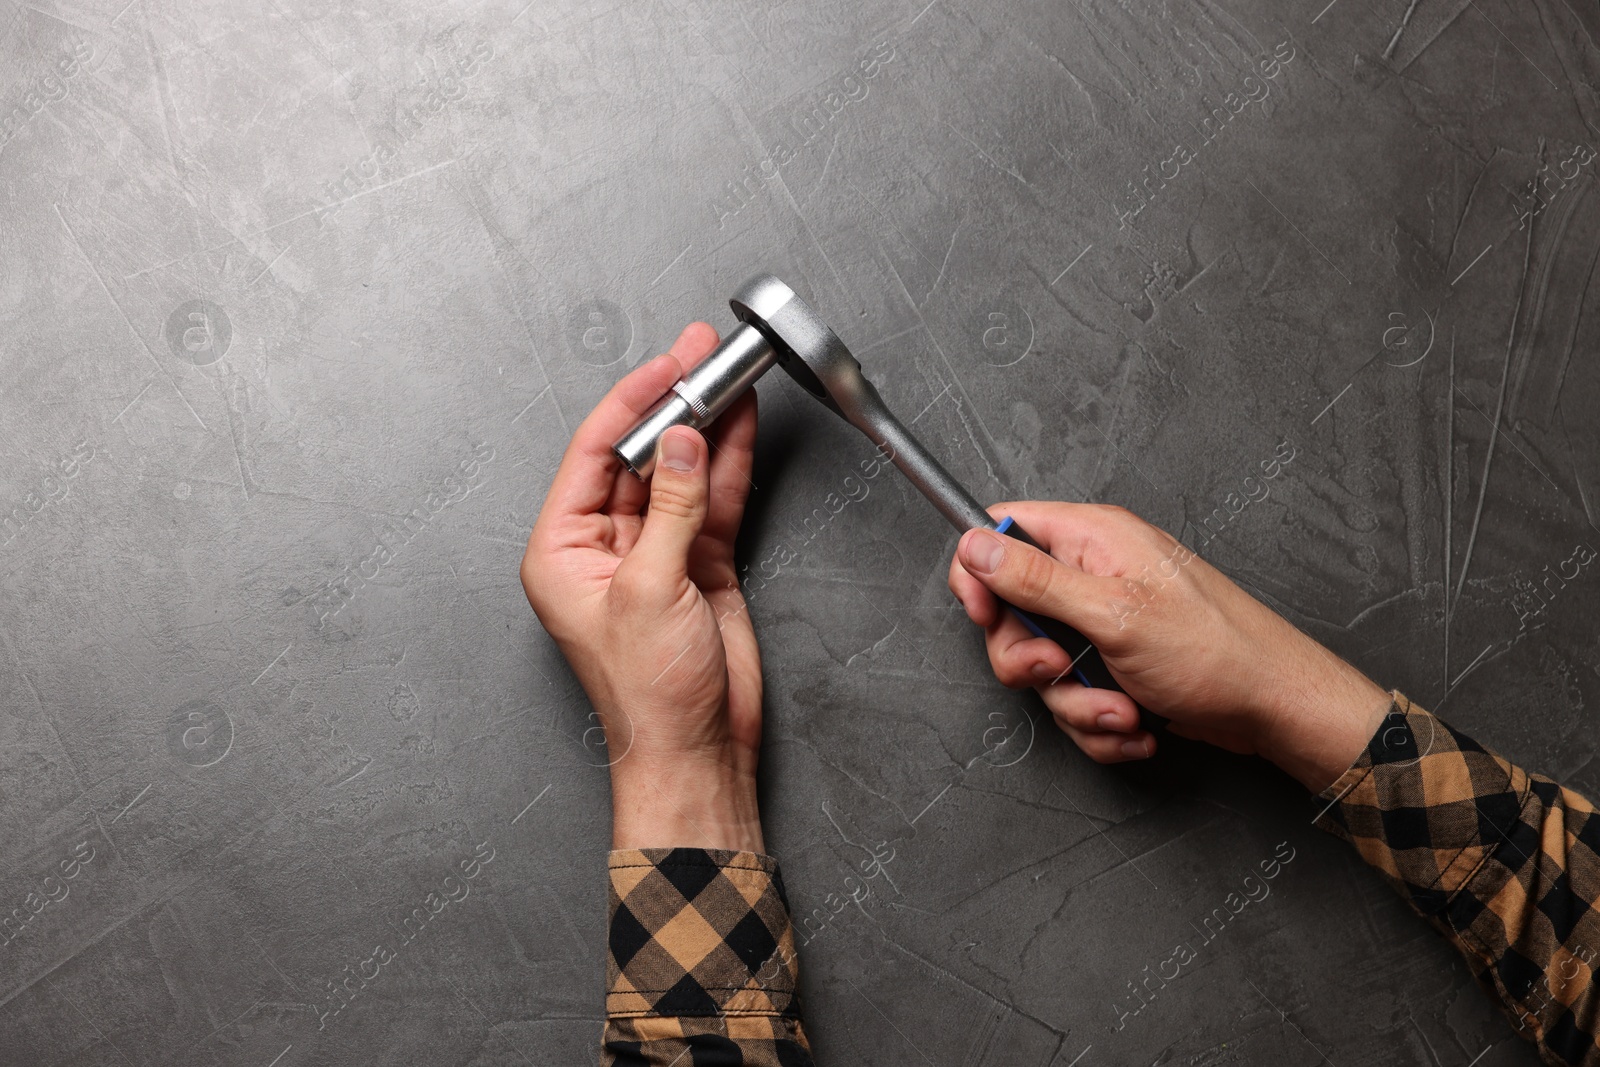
1181 639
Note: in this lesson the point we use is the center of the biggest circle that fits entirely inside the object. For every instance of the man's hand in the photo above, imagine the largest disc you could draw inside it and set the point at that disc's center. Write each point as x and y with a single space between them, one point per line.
637 585
1182 639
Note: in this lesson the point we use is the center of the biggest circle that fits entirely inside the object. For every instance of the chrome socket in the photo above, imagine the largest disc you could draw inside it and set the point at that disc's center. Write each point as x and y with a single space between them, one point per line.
699 396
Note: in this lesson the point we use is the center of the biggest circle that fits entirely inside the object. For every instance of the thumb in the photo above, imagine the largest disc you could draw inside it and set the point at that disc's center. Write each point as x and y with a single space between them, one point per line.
678 493
1027 578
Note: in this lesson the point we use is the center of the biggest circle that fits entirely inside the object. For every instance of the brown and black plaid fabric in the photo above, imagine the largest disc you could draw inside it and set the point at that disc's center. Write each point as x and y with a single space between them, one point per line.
1505 863
702 968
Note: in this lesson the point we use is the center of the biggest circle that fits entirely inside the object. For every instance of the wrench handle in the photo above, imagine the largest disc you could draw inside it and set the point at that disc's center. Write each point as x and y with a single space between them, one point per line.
1087 664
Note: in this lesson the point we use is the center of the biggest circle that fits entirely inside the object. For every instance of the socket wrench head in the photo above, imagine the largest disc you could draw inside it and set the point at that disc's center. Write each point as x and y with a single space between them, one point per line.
807 348
815 357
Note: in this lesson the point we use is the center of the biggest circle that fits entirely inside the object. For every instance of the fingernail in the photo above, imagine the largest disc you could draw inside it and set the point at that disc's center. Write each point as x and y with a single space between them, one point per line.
1042 671
984 552
678 453
1109 721
1134 749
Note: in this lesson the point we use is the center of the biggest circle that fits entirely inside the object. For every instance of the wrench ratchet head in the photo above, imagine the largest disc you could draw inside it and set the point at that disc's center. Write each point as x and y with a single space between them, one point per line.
813 356
807 347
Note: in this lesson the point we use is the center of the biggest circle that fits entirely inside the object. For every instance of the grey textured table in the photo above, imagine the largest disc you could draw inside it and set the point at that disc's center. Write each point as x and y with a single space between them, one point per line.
302 301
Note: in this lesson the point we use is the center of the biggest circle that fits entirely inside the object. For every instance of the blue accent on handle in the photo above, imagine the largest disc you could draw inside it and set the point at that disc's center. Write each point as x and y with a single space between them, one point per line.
1005 525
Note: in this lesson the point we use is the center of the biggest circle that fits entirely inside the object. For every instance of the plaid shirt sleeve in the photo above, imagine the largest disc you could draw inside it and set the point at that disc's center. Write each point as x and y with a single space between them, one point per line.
1503 862
702 962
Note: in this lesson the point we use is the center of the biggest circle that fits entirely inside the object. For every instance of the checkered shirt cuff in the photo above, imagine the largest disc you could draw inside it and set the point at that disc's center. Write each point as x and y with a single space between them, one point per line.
1505 863
1425 806
702 959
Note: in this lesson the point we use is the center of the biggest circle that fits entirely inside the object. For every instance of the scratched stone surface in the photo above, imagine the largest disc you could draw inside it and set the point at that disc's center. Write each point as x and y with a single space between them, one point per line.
303 300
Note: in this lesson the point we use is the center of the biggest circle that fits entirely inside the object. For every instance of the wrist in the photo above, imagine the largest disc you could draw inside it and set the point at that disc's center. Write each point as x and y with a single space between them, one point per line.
684 803
1319 720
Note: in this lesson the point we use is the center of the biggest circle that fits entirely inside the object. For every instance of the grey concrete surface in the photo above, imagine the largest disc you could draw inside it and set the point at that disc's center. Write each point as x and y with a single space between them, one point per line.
302 300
